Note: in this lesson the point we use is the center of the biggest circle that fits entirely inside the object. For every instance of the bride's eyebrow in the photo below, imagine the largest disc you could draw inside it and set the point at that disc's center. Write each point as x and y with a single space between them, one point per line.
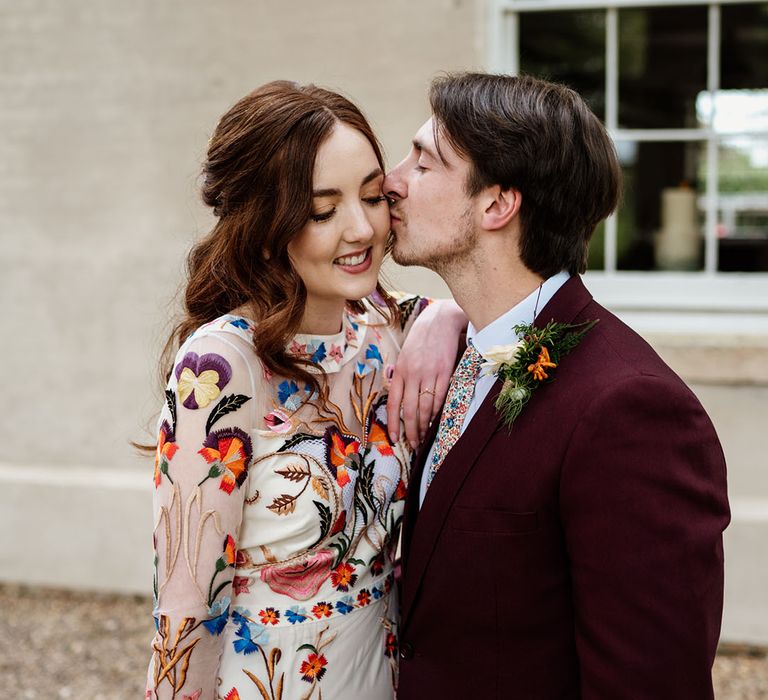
335 192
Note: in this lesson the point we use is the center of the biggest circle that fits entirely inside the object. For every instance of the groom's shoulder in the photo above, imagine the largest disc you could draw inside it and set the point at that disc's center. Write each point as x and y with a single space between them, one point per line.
613 352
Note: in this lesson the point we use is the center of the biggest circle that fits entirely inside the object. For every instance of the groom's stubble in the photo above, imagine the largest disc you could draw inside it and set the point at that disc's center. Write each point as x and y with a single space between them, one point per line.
440 256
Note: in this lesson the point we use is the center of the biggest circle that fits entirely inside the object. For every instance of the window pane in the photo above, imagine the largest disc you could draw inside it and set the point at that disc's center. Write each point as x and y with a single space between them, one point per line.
743 205
596 259
661 220
744 48
662 66
567 47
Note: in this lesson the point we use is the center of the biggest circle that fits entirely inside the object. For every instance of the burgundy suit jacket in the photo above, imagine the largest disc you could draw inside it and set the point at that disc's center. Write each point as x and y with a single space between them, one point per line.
579 554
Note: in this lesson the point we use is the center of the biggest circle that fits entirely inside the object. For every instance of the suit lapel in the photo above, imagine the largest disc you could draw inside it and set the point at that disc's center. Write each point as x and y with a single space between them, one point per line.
425 531
422 528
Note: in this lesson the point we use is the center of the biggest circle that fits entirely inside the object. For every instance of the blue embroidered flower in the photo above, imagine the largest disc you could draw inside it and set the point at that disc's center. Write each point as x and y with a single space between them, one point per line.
319 354
376 592
250 636
373 360
345 605
218 612
296 614
240 323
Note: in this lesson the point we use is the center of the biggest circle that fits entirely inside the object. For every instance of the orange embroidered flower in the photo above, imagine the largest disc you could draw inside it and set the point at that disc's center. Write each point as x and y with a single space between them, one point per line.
322 610
228 451
229 556
269 616
363 598
166 448
232 695
342 454
377 437
343 576
313 669
542 364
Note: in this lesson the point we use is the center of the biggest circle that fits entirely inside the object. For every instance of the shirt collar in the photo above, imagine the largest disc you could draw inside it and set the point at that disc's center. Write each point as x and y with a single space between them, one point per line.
499 332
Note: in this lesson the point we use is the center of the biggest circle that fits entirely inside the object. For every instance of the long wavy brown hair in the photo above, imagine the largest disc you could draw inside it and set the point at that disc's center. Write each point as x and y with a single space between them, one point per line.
258 181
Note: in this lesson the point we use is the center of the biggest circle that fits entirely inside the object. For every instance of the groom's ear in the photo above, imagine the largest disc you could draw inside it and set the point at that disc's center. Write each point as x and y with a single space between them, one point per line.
501 207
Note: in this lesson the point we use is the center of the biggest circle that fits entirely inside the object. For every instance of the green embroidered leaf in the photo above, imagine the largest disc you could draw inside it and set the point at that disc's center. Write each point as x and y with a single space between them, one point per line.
311 648
170 400
226 405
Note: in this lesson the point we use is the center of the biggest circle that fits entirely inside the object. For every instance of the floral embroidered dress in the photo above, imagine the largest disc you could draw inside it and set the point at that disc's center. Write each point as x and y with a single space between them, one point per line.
277 517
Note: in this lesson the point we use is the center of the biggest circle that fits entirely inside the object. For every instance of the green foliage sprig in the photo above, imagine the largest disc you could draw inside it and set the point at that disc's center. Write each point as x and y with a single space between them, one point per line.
532 362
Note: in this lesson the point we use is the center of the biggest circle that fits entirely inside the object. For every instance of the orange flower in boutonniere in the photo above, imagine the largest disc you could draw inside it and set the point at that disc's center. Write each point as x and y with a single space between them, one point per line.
539 368
527 365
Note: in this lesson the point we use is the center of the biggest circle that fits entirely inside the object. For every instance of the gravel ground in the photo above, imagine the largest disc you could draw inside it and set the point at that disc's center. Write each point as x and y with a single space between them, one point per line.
61 644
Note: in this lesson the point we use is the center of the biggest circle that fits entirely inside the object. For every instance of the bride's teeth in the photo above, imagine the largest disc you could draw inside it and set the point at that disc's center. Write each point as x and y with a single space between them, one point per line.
352 259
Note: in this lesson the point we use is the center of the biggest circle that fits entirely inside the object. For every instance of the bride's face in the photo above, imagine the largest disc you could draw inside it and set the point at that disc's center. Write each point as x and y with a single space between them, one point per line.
339 251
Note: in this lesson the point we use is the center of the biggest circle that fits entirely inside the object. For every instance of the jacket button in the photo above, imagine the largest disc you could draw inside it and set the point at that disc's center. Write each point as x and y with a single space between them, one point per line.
406 651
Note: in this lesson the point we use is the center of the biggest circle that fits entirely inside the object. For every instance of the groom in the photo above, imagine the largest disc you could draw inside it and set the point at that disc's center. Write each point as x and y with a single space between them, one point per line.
577 554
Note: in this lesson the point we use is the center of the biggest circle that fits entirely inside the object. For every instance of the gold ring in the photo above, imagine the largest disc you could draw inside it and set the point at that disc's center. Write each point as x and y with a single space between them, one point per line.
426 391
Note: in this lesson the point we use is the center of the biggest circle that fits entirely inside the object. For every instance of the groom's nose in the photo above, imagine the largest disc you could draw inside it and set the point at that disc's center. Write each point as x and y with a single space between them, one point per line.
394 184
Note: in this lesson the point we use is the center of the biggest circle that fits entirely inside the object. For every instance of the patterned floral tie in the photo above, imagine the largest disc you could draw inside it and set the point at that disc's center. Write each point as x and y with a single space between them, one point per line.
459 397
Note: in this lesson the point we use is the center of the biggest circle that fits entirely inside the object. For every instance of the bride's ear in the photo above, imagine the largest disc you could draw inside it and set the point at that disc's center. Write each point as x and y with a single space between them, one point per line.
502 206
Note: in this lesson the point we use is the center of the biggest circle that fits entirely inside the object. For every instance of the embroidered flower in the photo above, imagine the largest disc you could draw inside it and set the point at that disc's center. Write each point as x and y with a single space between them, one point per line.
166 448
196 695
343 454
241 323
269 616
390 646
322 609
296 614
240 584
345 605
218 613
373 360
298 349
229 554
351 332
313 669
343 576
363 598
301 580
278 421
318 353
228 451
376 592
290 396
200 379
232 695
250 635
336 353
377 564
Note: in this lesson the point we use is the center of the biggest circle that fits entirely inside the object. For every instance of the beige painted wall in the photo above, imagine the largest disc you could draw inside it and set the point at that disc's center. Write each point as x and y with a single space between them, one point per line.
105 112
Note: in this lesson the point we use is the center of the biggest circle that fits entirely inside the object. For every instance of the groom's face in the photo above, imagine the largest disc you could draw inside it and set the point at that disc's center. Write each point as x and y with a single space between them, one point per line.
432 217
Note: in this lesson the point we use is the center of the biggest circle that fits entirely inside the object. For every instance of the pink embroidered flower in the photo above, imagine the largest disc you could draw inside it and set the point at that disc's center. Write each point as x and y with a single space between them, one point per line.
195 696
350 334
336 352
301 580
240 583
298 349
278 421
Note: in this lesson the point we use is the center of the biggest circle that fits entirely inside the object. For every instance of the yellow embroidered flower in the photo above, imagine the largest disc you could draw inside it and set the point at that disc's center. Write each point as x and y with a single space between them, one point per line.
200 379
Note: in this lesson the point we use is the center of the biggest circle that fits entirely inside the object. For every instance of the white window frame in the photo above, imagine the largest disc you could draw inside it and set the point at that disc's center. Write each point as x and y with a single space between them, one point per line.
692 293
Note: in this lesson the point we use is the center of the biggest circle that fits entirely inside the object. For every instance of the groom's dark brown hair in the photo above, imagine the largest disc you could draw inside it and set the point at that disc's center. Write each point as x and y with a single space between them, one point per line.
541 139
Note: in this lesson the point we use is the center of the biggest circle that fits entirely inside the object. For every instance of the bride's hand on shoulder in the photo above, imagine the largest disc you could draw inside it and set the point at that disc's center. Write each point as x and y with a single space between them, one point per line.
423 370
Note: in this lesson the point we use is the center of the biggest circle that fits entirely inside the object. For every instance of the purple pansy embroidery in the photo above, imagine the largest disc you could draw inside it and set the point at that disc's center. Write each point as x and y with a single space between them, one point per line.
201 378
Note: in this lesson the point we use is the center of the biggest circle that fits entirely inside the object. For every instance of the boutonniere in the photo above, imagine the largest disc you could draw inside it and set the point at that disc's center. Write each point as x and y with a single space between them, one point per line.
524 366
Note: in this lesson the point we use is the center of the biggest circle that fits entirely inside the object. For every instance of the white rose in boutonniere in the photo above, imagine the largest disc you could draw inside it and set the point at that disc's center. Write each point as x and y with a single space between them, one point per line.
498 355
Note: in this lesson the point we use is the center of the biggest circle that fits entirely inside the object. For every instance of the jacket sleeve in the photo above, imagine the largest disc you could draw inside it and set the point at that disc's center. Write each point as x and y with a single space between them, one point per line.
644 504
203 454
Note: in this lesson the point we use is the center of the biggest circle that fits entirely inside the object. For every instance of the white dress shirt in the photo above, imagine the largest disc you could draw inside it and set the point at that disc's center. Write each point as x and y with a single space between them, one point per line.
499 332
